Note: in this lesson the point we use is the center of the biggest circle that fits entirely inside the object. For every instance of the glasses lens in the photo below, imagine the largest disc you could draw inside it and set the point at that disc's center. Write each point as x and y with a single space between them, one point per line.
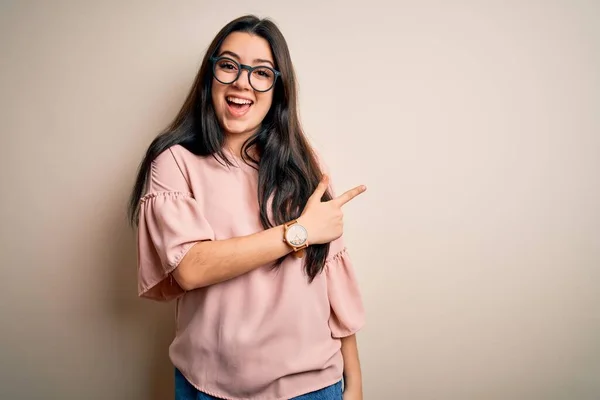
226 70
262 79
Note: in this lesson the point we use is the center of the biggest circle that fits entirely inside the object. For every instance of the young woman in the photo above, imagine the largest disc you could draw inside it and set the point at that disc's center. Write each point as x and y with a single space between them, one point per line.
237 221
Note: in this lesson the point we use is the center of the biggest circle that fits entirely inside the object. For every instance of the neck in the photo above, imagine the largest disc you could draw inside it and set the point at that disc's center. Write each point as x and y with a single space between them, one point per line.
235 142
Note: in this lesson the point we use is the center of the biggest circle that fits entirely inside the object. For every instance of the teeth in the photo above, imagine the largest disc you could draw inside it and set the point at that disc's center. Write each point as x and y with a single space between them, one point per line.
238 101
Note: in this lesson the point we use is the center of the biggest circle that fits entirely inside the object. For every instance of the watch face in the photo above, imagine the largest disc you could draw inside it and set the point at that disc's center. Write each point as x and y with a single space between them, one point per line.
296 235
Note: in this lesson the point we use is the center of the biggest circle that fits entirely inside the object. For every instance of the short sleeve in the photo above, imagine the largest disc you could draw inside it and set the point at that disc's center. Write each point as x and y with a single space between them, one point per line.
347 309
170 223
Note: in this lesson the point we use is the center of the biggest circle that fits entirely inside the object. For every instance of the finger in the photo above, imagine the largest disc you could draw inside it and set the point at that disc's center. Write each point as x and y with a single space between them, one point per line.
349 195
320 189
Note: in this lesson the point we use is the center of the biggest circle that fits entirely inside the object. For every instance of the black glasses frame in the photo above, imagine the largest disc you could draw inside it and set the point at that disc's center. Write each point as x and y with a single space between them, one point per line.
241 67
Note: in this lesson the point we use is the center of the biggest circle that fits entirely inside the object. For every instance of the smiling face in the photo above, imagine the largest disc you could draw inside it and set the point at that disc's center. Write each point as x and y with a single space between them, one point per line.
239 108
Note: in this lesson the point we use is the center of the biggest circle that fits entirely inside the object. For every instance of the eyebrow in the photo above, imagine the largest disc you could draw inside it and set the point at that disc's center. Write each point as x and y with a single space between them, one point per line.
256 60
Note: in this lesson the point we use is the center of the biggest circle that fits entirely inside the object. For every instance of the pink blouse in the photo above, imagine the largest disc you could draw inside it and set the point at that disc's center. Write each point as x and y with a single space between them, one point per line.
267 334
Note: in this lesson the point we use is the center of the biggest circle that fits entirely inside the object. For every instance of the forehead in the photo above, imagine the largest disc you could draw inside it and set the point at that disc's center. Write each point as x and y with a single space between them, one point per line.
249 47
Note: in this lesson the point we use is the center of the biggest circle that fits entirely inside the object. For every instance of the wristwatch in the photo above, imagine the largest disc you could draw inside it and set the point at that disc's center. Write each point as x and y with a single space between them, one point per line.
296 236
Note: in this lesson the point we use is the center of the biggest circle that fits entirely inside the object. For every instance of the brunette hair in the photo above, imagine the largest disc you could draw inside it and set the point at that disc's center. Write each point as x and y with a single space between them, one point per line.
288 169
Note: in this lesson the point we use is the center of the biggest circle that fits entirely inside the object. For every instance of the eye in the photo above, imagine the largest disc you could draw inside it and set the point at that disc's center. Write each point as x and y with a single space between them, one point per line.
227 65
263 73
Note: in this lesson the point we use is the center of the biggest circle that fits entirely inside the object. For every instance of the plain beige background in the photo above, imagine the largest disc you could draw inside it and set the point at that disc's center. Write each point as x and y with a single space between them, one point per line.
475 125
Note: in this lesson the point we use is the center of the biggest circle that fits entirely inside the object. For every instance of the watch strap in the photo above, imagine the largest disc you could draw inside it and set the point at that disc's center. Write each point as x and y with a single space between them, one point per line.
298 250
290 223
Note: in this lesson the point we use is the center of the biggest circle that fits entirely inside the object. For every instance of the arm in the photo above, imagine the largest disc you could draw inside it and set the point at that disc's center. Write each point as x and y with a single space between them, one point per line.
170 221
210 262
352 372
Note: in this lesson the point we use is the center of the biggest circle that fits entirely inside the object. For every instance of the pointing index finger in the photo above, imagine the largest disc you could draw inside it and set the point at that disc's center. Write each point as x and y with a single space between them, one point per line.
349 195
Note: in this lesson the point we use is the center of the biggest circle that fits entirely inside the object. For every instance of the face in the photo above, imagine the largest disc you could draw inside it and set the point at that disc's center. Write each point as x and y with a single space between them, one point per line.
240 109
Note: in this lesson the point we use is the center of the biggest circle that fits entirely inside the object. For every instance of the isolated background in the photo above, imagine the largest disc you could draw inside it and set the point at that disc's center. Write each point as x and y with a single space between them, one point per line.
475 125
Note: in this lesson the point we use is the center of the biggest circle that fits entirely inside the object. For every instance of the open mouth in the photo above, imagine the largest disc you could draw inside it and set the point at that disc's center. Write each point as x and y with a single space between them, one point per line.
238 106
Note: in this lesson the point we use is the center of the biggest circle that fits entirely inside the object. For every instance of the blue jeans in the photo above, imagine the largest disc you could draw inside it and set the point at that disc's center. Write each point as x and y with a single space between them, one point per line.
185 391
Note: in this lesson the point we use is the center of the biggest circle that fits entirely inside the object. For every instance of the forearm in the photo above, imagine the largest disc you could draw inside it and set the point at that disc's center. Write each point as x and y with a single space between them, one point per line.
211 262
352 370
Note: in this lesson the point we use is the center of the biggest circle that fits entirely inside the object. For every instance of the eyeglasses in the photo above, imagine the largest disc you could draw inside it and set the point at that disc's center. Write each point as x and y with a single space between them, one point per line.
227 71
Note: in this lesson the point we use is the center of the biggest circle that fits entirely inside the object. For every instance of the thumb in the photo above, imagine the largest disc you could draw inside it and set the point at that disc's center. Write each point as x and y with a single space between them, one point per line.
320 190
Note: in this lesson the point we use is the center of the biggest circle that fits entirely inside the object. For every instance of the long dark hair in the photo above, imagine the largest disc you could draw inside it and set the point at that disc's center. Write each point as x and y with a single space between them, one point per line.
288 170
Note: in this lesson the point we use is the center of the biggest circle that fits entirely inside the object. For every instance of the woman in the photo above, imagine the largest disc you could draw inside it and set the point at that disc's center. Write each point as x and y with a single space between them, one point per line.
237 222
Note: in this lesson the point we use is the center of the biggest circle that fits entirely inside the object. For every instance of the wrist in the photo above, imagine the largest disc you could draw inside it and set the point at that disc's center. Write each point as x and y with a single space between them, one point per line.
281 233
296 236
309 233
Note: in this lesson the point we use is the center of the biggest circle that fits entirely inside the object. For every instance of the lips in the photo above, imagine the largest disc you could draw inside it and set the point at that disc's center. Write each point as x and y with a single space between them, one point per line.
238 106
238 100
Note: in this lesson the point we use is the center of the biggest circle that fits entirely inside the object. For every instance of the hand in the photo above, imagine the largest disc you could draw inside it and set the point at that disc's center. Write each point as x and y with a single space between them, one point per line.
350 394
324 220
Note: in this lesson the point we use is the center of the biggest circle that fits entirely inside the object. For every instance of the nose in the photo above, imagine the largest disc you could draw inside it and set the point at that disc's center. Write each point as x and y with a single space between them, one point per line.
243 81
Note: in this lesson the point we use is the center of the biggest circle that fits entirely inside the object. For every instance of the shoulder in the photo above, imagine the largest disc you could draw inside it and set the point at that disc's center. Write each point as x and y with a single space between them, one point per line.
176 154
167 163
169 170
181 152
177 158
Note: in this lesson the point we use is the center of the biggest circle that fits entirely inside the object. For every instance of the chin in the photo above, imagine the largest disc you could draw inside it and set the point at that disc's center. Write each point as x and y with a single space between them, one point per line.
237 128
